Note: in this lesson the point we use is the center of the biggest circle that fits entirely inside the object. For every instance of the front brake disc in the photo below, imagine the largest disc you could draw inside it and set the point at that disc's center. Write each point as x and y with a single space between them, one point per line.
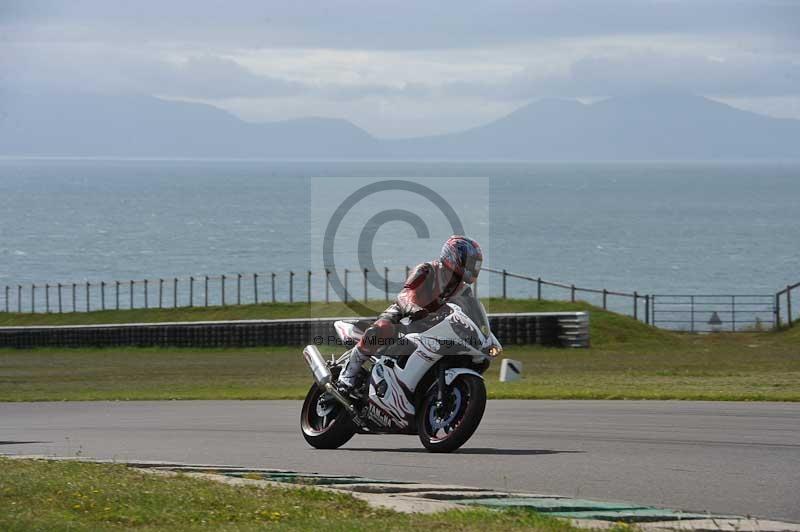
325 405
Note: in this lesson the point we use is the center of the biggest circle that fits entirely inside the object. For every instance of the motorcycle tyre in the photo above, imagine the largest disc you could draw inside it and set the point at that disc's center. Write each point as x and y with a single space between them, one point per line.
470 421
338 432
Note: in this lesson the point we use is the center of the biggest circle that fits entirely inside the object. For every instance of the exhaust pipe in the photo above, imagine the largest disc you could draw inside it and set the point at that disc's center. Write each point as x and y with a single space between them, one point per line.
319 368
324 377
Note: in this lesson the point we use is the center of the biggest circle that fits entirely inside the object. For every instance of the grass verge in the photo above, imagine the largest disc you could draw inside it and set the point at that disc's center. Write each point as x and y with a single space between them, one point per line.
711 368
50 495
627 360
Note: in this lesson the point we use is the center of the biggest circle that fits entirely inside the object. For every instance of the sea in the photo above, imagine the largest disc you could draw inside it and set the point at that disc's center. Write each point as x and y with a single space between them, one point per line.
654 227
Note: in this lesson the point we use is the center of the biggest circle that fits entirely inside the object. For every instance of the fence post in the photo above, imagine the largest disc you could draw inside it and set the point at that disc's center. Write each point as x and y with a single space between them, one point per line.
174 292
191 291
102 295
238 288
691 303
539 289
6 299
733 313
222 290
88 296
47 298
505 274
308 287
206 291
789 305
273 287
777 310
386 283
33 298
605 299
635 305
647 309
652 310
572 293
116 294
19 298
346 295
146 305
327 285
74 289
255 288
59 299
160 293
130 295
291 286
366 271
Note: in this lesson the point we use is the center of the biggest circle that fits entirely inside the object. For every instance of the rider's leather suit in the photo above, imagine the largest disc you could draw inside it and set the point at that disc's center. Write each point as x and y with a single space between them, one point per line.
427 288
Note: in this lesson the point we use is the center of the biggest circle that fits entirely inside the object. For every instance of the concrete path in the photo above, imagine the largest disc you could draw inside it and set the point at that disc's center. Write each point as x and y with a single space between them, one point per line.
739 458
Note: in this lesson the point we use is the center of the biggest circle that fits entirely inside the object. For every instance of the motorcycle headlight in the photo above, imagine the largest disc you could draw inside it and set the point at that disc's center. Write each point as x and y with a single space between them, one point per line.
495 350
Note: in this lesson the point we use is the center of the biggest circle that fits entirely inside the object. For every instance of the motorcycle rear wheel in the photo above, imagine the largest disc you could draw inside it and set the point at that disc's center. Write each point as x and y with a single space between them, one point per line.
330 431
445 429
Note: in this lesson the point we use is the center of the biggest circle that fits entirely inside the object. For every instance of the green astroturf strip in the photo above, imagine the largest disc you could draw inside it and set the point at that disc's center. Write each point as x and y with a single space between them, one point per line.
586 509
552 506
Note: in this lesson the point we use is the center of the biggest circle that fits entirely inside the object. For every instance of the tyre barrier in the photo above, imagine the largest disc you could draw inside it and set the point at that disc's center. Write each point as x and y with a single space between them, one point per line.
564 329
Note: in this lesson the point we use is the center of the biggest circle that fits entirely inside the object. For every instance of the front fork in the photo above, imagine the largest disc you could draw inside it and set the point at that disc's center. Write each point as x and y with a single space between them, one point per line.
441 386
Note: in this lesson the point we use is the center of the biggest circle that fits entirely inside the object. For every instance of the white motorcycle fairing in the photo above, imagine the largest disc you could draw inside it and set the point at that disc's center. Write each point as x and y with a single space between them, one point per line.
392 388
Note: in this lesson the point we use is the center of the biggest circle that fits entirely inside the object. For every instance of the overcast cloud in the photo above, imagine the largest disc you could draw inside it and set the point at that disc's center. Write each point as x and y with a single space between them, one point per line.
404 68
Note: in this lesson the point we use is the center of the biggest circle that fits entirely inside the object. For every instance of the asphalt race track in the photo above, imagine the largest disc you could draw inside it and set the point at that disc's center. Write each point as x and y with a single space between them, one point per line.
740 458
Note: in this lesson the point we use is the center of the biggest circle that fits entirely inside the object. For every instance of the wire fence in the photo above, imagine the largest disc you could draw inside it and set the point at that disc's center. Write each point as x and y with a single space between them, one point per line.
632 303
715 313
691 313
785 312
198 291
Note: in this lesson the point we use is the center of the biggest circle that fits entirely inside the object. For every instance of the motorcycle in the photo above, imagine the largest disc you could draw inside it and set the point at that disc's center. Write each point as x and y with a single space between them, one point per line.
426 382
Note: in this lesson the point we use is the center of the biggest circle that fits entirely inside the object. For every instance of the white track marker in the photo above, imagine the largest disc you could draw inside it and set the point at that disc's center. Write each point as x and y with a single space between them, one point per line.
510 370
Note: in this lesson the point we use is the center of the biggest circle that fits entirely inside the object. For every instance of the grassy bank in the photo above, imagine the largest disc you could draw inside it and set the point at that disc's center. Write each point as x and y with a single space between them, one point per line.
266 311
627 360
236 312
42 495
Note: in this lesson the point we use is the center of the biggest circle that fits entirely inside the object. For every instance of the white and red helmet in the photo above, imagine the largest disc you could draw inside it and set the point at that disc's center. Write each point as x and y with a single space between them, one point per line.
463 257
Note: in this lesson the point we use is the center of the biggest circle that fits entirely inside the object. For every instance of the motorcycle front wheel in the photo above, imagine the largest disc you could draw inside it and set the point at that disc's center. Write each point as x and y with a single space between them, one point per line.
445 427
324 422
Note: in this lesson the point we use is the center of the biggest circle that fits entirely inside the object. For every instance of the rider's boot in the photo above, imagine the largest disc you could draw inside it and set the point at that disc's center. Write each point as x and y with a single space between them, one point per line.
347 378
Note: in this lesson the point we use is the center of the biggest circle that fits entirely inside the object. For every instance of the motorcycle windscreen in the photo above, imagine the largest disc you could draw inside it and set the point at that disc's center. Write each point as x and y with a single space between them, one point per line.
473 308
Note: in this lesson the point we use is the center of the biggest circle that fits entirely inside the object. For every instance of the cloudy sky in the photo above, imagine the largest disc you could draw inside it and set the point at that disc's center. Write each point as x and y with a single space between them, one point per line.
408 67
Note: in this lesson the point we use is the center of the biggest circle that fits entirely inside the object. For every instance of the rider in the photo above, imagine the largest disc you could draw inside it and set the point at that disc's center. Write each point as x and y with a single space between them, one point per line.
426 290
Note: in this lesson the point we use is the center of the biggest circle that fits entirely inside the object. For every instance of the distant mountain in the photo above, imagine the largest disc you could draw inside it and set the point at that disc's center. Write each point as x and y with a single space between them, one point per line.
655 125
143 126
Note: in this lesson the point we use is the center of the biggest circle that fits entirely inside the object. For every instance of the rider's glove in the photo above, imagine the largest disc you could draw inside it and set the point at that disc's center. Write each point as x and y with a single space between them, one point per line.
418 314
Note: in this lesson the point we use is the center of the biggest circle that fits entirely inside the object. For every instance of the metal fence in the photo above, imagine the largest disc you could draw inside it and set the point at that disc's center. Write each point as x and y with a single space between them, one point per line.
714 313
242 289
194 291
632 303
785 313
734 312
690 313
